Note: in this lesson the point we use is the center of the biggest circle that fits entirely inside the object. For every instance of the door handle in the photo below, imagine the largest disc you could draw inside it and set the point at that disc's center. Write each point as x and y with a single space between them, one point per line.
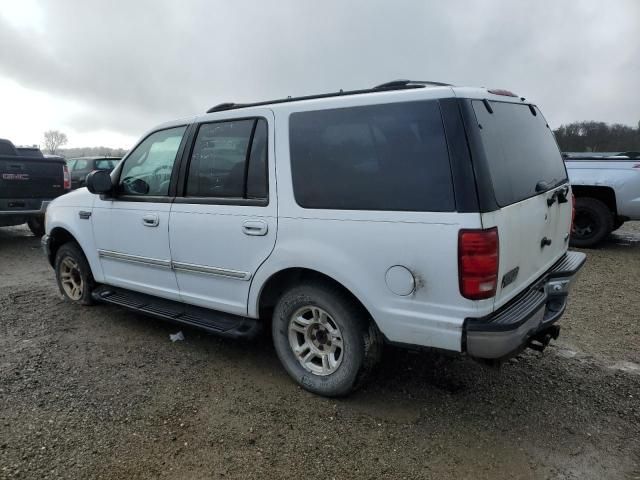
151 220
255 227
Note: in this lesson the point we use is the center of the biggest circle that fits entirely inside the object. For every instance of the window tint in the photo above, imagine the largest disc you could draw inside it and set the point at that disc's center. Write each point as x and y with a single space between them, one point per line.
381 157
71 163
520 149
147 170
218 166
257 171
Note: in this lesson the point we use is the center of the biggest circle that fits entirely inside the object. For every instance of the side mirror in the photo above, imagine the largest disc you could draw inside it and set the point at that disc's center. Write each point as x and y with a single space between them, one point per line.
99 182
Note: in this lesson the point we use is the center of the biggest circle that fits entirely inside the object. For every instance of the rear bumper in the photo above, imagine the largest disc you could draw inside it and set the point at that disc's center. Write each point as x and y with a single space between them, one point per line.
507 331
24 206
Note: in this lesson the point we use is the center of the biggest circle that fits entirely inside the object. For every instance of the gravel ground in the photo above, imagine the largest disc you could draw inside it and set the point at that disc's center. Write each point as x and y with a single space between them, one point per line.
102 393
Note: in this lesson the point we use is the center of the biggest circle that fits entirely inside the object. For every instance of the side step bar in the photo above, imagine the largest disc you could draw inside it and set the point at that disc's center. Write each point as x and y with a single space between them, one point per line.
218 323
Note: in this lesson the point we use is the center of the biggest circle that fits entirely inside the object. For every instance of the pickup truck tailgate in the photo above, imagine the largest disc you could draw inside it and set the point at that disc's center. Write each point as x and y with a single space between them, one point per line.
26 177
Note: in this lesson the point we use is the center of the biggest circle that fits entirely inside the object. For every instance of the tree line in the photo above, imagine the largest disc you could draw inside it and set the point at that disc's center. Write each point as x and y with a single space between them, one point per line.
591 136
54 140
91 152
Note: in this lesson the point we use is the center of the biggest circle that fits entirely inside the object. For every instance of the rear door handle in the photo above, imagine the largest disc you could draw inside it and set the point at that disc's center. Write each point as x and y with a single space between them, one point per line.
255 227
151 220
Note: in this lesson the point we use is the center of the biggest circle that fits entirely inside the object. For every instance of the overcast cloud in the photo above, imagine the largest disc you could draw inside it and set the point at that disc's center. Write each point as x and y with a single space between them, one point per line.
106 71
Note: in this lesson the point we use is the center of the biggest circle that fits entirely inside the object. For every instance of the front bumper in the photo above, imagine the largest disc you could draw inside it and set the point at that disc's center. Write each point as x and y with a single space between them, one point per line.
45 241
507 331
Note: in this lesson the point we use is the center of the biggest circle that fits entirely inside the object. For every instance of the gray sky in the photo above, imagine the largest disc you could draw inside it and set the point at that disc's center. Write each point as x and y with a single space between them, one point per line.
106 71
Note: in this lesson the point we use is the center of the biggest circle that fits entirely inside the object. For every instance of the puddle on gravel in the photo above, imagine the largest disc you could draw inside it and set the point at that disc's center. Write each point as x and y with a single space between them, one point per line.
628 367
622 365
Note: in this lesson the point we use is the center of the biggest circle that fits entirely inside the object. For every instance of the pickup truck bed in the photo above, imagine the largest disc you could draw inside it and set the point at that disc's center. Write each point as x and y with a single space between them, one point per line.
28 182
607 191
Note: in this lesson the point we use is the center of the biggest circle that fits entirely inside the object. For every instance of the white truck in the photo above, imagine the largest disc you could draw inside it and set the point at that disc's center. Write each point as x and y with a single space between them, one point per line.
607 194
414 213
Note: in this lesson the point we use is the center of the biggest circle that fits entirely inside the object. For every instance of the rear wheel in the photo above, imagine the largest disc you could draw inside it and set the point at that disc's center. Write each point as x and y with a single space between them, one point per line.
324 339
73 274
593 222
36 225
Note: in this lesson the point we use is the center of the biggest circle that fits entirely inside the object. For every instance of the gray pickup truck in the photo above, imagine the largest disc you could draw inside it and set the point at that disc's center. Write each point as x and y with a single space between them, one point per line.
28 182
607 193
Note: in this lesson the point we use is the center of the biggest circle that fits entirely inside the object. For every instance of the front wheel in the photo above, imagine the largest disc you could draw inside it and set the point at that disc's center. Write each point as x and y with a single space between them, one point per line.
73 274
324 339
36 225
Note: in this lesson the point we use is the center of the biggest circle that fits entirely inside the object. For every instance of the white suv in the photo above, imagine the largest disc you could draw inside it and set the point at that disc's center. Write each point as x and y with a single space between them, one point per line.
413 213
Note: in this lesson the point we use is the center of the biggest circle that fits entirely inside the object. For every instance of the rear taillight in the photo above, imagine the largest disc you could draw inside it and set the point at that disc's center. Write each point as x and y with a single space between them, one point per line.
478 263
67 177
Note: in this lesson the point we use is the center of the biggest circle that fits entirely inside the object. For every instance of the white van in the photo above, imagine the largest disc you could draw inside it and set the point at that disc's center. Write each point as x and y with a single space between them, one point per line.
413 213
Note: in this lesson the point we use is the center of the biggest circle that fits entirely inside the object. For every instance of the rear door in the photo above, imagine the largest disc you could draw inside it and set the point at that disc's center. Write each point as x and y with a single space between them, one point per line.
531 191
224 225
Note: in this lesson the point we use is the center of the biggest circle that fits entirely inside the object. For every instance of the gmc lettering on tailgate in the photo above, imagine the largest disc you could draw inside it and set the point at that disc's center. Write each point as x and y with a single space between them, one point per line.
15 176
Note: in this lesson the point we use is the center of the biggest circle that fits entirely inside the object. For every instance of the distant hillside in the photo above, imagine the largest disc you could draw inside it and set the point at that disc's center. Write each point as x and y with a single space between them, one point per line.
91 152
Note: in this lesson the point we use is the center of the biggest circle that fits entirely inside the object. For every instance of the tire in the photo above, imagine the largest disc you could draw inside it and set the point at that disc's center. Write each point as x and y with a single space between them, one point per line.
36 225
73 273
617 223
593 222
344 322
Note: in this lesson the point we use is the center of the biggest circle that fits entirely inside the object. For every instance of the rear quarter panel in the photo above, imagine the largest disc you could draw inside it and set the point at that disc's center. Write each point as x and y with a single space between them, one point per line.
356 248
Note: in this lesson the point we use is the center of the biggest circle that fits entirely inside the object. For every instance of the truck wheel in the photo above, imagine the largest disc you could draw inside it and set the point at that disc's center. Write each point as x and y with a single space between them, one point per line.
73 274
325 341
36 225
593 222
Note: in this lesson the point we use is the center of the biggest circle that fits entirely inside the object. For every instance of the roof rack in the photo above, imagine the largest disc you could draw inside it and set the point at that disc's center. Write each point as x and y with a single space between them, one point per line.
393 85
405 83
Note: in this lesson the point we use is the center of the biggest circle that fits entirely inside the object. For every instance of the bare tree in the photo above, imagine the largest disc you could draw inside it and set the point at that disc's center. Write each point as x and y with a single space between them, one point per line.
54 139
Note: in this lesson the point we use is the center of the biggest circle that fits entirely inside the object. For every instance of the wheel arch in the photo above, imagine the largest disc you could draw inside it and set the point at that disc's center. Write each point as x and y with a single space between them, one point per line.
280 281
606 195
58 237
60 234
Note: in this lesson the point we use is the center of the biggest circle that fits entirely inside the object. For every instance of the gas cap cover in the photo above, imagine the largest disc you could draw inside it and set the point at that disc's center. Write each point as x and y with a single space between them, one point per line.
400 280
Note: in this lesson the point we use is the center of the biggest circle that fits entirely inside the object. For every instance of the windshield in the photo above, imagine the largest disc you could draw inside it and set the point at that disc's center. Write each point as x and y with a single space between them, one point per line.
521 151
106 164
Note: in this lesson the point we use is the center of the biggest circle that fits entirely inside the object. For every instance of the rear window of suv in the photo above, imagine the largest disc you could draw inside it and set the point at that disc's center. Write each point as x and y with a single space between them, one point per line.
520 149
380 157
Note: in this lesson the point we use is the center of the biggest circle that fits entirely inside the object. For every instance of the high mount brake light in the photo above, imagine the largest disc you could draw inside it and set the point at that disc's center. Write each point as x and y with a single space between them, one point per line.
478 262
500 91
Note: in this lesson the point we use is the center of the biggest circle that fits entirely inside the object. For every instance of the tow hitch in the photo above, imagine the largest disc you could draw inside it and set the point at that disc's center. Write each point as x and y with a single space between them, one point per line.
541 339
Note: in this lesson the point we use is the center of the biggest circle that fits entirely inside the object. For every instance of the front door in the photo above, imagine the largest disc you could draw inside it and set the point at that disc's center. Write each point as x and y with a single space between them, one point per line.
131 229
224 225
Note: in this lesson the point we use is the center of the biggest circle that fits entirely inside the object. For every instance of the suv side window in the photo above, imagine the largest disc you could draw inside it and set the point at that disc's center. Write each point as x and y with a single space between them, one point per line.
229 159
147 170
80 165
377 157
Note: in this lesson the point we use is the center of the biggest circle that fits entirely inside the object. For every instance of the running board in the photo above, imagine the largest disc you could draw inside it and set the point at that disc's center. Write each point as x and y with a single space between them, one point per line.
218 323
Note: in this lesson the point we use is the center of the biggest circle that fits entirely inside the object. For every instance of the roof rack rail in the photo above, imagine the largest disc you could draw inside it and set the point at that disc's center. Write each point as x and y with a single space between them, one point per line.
405 83
394 85
224 106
